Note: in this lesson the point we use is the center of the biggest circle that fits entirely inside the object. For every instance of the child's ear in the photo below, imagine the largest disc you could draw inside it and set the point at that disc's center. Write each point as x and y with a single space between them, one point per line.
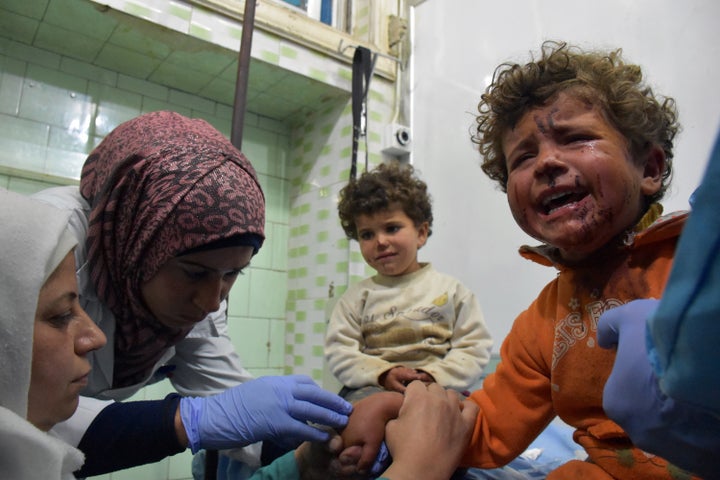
423 230
653 171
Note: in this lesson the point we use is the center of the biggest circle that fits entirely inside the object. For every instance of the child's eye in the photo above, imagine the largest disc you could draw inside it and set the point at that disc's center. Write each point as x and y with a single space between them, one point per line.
578 137
520 159
393 228
365 236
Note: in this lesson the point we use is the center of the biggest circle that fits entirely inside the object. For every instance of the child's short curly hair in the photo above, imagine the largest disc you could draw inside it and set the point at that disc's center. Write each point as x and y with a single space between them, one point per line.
384 187
602 78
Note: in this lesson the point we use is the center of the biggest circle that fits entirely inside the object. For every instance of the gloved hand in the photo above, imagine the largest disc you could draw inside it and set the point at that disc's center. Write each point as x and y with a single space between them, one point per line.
631 392
681 433
267 408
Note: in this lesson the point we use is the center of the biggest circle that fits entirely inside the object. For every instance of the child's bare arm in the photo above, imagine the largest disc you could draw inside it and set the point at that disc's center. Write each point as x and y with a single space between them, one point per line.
366 426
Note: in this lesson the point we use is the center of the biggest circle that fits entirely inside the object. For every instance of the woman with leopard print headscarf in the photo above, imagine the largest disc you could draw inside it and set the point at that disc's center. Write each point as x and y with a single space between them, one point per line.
167 215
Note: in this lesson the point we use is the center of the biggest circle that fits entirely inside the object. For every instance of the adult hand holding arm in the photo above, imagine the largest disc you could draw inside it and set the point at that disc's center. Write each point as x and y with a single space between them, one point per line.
267 408
431 420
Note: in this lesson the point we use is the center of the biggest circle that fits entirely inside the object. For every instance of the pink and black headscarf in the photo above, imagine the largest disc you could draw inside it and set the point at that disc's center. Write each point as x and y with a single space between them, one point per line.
161 185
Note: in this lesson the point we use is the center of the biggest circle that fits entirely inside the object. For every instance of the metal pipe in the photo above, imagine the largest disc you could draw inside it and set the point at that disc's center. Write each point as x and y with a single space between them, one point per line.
236 133
238 118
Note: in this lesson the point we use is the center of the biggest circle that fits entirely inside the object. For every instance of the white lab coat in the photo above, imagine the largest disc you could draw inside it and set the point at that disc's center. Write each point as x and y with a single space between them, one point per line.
203 363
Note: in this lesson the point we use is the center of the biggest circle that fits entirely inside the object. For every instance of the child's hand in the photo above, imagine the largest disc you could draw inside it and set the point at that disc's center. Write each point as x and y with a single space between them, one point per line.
397 378
366 426
322 460
425 377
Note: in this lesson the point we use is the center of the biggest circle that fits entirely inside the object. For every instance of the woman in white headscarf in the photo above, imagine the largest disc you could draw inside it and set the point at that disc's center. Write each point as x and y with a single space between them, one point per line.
45 337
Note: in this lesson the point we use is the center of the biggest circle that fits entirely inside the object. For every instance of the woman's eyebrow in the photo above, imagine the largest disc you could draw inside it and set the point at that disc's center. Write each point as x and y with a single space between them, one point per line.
60 300
207 267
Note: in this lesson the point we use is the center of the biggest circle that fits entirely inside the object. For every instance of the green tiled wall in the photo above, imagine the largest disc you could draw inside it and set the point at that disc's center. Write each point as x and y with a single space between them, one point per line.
52 116
47 132
321 261
54 109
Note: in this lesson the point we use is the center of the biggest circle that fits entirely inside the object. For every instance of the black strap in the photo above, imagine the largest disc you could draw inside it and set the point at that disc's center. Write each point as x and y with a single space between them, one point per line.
363 65
211 464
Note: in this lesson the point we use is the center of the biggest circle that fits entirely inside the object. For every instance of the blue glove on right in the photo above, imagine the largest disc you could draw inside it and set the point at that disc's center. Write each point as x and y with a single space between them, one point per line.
267 408
681 433
631 393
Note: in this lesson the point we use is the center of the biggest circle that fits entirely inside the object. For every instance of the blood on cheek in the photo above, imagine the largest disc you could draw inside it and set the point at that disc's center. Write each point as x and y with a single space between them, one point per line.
519 215
598 182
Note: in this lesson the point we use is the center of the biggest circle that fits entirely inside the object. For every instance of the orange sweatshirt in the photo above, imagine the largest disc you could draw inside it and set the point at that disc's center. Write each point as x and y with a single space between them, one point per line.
551 363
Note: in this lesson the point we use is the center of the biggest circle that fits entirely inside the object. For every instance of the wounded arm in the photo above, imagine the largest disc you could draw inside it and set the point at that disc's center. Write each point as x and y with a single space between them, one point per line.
366 426
515 401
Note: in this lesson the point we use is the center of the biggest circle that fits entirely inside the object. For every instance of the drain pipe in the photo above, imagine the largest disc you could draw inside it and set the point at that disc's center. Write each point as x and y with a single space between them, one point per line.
236 133
238 118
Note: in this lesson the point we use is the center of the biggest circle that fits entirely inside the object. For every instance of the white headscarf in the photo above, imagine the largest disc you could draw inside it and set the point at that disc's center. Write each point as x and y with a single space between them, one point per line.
33 241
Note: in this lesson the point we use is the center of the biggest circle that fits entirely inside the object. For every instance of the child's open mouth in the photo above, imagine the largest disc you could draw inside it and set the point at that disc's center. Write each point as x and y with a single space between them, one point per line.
561 199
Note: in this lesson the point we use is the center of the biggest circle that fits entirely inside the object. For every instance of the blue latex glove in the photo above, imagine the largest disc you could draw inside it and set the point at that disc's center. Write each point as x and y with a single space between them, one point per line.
267 408
382 461
631 392
676 431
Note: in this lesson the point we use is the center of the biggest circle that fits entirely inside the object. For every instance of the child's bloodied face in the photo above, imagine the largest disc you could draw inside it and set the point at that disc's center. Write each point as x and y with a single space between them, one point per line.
572 181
